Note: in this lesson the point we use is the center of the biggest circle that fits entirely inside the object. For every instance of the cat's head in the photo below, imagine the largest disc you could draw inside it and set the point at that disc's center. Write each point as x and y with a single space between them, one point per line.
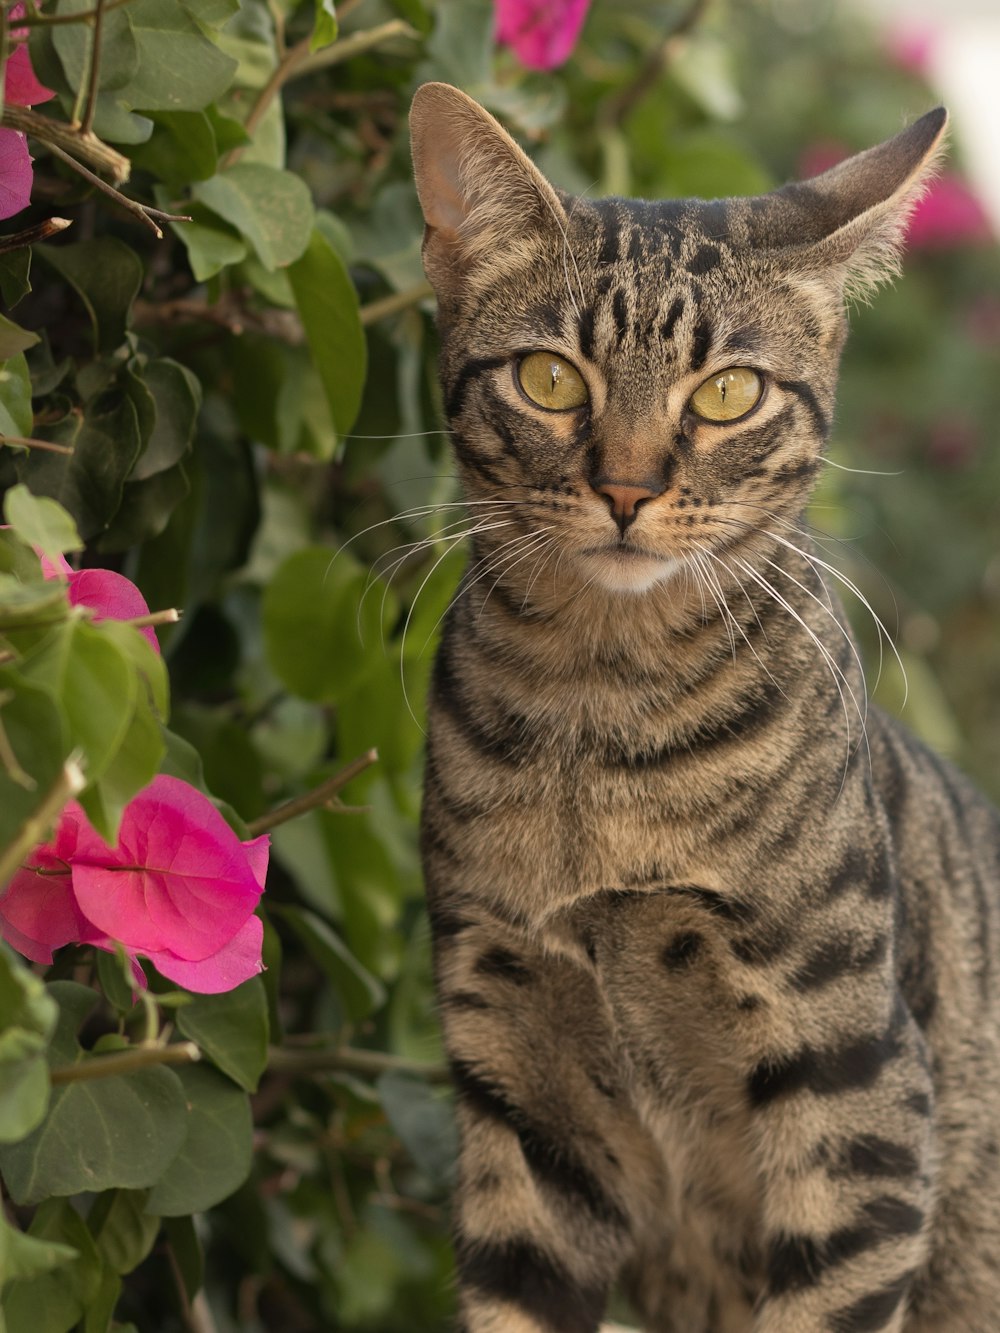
644 384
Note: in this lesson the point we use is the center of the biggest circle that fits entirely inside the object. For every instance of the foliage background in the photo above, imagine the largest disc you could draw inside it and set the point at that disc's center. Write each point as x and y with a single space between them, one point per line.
251 401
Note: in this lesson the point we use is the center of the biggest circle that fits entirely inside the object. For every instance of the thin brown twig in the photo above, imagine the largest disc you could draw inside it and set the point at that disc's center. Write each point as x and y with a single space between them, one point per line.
87 123
312 799
398 301
616 108
125 1062
143 212
280 1060
51 20
26 442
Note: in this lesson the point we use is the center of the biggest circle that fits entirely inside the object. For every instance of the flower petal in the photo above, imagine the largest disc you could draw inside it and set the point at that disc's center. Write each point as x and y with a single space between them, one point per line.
110 596
21 87
236 963
179 880
38 913
15 173
542 33
60 568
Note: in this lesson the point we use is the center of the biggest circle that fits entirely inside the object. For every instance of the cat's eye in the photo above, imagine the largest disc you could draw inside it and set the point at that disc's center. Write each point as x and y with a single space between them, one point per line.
727 396
551 382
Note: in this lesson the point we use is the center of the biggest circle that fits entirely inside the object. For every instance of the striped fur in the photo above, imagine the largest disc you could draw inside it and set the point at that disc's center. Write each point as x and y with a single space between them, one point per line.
715 943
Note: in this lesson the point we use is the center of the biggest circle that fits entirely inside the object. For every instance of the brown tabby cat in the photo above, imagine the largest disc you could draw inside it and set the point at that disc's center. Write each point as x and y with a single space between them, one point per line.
716 948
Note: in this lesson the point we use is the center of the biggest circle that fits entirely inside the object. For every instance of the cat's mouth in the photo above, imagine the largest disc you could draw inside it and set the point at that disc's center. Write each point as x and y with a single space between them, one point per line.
624 567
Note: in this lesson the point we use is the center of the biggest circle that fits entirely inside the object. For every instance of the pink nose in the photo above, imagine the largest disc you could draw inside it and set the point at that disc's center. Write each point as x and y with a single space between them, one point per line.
624 499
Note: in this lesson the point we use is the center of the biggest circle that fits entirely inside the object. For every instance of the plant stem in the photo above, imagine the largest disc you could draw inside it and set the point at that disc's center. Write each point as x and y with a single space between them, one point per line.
297 61
41 231
392 305
168 617
27 442
50 20
54 134
126 1062
346 48
86 125
36 827
8 759
142 211
370 1063
320 795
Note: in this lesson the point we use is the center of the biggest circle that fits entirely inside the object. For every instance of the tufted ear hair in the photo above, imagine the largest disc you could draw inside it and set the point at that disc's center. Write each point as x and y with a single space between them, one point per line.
479 192
849 222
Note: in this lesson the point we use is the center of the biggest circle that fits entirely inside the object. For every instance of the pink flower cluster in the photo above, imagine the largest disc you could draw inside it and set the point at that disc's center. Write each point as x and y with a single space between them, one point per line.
179 889
20 88
541 33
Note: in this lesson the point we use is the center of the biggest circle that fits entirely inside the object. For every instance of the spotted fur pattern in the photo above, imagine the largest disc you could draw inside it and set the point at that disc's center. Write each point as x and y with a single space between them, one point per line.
715 944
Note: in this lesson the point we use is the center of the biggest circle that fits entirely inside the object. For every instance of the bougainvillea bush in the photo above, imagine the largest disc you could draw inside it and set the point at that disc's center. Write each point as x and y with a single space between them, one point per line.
229 535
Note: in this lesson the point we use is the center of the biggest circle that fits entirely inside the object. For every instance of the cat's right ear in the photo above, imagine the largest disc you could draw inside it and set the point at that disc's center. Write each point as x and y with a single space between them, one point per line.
480 194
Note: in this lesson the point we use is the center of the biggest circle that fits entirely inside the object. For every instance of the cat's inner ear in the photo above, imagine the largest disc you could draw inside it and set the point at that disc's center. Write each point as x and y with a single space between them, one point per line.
479 192
849 222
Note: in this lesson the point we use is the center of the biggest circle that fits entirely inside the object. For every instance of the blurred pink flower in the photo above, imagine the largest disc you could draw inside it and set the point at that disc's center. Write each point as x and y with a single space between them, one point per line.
542 33
949 214
179 889
21 88
910 45
109 595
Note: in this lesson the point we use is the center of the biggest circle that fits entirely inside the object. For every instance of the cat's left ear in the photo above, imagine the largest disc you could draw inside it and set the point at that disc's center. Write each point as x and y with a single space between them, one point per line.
479 192
848 224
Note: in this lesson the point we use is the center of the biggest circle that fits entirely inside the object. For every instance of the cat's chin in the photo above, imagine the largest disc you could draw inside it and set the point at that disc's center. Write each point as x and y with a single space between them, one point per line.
621 569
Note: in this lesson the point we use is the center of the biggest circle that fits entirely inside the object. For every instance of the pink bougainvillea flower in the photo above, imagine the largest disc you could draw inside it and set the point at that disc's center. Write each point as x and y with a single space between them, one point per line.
21 88
109 595
541 33
949 214
910 45
179 889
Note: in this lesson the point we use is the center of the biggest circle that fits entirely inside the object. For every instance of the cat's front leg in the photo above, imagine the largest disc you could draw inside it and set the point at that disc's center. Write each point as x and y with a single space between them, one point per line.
844 1140
555 1174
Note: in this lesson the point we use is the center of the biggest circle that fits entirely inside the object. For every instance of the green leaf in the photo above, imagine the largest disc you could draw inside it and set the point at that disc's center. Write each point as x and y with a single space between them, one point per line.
29 1017
104 1133
145 509
55 1301
322 616
232 1030
325 26
73 42
37 735
216 1154
211 245
188 1254
182 148
15 266
14 339
106 274
424 1123
16 417
359 992
91 677
273 209
177 398
123 1229
328 306
41 522
90 483
180 69
24 1256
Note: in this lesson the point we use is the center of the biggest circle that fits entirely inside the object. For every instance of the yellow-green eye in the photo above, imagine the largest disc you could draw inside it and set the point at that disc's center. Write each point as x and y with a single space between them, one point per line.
551 382
727 396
